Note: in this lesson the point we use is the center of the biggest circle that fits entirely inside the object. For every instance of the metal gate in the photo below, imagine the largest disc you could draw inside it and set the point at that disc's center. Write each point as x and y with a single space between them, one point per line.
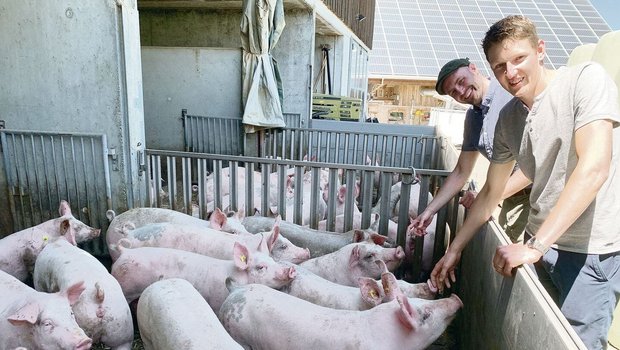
43 168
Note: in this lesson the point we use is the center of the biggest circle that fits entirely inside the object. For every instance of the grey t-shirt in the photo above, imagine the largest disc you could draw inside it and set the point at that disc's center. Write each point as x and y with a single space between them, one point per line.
542 142
479 126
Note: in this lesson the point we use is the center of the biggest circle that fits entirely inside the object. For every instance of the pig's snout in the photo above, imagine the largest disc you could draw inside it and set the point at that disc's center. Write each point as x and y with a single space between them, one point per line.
84 344
399 254
288 274
458 300
96 232
306 254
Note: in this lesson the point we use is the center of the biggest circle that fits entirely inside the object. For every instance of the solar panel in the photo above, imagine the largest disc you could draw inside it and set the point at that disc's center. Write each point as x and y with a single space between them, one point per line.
416 37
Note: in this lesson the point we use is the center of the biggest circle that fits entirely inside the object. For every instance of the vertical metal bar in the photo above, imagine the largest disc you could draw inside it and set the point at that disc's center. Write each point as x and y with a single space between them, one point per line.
264 205
217 183
331 199
314 197
9 173
282 190
172 183
36 179
233 185
419 241
347 151
158 178
393 155
26 180
202 189
297 211
403 217
75 178
86 177
46 175
385 186
249 188
186 184
150 184
367 188
423 160
349 203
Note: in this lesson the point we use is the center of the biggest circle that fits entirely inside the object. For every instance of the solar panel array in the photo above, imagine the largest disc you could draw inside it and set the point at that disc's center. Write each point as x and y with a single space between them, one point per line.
416 37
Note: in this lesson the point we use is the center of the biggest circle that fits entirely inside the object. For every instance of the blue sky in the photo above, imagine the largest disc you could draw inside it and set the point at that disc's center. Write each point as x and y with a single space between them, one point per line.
610 10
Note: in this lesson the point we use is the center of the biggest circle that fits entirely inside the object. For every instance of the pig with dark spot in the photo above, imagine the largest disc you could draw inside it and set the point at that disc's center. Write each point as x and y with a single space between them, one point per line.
252 312
209 242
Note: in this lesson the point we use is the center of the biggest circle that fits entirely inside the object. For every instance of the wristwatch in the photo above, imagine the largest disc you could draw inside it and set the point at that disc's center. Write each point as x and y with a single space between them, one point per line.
535 244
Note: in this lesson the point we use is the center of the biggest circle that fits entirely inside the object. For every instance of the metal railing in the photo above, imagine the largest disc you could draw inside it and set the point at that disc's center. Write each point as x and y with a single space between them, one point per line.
249 180
43 168
353 147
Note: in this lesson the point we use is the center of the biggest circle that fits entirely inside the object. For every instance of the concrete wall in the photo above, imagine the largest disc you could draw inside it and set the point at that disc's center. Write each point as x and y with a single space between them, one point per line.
221 29
71 67
204 81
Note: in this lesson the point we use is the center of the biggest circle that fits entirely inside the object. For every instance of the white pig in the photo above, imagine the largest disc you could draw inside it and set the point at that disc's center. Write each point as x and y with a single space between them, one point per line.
353 261
173 315
36 320
19 250
210 242
261 318
317 290
138 268
101 311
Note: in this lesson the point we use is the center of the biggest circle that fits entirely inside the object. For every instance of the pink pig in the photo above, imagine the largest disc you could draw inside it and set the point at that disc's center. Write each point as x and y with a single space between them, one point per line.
251 313
138 268
36 320
209 242
19 250
101 311
173 315
353 261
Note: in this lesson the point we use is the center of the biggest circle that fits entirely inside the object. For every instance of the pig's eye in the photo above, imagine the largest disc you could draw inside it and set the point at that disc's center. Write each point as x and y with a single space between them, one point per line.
370 257
281 247
261 268
47 324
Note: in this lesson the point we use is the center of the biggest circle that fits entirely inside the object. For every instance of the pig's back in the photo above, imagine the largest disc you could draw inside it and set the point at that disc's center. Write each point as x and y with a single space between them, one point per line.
173 315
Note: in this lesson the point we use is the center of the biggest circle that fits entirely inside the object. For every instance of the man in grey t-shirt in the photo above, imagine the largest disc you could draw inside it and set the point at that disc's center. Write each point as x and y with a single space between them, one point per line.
563 130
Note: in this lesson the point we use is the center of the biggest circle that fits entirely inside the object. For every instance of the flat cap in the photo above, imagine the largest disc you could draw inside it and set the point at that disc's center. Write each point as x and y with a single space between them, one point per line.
448 69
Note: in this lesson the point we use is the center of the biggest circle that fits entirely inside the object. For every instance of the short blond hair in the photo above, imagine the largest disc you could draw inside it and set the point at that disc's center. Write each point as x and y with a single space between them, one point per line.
512 28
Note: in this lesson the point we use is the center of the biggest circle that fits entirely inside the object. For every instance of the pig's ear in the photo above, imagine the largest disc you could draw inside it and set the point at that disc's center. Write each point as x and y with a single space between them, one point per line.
371 291
273 235
378 239
355 256
407 315
73 292
67 231
240 213
28 313
241 256
217 219
358 236
390 285
64 208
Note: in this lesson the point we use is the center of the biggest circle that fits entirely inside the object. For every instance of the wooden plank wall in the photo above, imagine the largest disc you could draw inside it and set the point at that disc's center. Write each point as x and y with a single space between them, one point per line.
349 10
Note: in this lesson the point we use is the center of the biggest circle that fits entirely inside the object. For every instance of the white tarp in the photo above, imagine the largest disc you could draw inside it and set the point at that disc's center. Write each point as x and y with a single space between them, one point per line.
261 26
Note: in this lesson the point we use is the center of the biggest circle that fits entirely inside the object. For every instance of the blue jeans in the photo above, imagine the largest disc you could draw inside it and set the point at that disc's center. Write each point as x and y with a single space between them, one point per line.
587 288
